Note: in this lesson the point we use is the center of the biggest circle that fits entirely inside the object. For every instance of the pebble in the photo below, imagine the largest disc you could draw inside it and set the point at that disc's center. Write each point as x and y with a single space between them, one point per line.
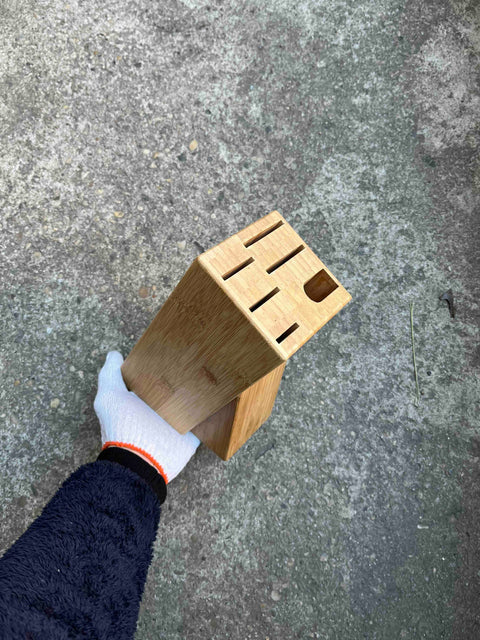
72 368
55 403
143 292
193 146
118 214
16 383
323 557
275 596
181 245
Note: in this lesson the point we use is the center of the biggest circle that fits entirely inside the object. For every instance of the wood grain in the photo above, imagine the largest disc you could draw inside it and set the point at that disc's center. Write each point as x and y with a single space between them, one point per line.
198 354
229 428
276 241
219 342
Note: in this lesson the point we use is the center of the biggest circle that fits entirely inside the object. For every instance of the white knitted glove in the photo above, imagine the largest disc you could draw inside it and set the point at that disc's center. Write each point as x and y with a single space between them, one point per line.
126 421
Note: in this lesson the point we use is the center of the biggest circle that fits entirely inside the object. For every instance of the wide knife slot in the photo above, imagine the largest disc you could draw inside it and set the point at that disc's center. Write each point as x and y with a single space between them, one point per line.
285 259
258 304
262 234
235 270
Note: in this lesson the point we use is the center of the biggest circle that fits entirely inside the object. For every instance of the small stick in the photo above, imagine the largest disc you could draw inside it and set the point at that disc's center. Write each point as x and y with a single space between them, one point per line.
417 399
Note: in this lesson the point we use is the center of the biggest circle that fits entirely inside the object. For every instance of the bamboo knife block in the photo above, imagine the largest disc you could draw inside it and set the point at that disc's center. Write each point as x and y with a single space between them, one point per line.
213 356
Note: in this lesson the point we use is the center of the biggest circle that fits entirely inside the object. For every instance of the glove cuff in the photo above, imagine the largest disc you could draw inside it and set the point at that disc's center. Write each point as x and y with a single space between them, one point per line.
135 449
113 452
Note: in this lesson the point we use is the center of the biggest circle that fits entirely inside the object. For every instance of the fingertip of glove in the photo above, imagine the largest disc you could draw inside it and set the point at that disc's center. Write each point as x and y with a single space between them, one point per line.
114 357
110 375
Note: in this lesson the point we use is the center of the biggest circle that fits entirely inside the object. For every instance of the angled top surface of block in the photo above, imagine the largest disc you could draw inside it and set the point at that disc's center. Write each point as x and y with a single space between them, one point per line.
277 281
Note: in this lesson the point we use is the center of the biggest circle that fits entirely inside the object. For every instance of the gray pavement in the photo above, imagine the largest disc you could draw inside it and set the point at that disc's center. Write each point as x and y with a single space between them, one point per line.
353 513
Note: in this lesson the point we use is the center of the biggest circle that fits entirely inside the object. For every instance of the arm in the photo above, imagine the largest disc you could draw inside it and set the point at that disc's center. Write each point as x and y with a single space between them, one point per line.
80 569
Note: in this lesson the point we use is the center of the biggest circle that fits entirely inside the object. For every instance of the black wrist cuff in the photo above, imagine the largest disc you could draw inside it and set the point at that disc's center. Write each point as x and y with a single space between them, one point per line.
140 466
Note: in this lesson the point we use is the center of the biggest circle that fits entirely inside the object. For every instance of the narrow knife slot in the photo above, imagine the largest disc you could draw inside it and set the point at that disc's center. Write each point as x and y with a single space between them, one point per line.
258 304
285 259
235 270
262 234
287 333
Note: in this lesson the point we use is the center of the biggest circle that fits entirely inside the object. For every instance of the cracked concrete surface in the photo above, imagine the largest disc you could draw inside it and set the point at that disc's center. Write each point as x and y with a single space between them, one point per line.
359 122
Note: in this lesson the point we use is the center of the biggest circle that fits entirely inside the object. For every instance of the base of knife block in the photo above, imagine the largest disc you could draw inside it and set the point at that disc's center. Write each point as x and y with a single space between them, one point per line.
231 426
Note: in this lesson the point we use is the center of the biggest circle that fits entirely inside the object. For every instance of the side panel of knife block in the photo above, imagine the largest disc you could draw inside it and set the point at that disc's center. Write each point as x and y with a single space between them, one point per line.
198 354
241 310
230 427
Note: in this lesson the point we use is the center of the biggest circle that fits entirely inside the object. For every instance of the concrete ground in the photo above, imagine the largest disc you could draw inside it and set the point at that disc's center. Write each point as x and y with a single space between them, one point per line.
353 513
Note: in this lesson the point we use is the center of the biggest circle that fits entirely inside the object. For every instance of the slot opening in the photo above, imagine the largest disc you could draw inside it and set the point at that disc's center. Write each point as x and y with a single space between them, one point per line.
288 332
320 286
236 269
285 259
258 304
263 233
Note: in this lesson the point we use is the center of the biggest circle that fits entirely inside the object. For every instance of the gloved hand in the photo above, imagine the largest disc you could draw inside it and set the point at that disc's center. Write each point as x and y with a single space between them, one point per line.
126 421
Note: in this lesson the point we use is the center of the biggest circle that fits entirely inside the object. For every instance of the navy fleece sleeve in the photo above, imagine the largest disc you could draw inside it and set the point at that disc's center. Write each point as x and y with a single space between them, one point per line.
79 570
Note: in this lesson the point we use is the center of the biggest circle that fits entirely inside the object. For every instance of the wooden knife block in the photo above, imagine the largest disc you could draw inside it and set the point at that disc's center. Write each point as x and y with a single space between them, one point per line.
213 356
